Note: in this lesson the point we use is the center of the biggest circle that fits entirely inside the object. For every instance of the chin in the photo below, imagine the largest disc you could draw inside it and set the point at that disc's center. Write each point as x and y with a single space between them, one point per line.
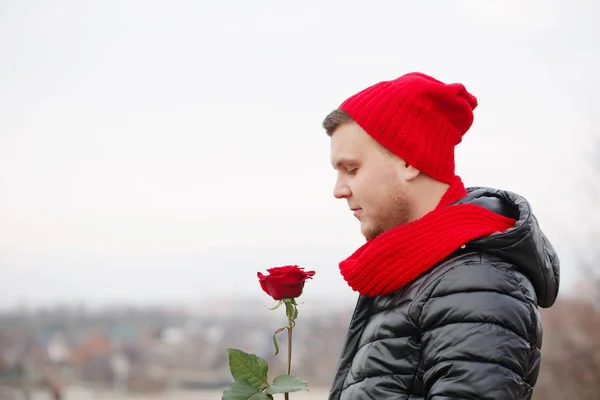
370 232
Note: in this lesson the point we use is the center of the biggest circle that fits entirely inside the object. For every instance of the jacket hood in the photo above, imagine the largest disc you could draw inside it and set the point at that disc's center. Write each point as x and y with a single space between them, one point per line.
524 245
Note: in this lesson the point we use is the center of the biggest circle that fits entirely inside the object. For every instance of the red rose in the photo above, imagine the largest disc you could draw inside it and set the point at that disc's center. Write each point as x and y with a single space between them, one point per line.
284 282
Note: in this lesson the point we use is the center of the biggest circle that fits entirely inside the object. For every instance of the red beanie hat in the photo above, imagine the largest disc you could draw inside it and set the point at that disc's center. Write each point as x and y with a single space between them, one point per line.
416 117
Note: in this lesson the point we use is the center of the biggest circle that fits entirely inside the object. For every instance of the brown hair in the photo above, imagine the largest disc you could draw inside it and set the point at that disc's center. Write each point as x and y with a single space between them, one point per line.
335 119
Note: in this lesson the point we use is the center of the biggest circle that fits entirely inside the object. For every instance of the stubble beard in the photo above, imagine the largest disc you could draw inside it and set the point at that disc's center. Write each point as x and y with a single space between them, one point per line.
395 211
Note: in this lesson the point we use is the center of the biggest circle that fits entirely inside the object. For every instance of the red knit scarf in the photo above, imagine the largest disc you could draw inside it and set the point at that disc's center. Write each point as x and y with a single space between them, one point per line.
399 255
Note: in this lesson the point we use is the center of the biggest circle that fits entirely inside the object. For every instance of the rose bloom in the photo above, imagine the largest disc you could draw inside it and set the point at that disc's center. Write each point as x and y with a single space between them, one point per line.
284 282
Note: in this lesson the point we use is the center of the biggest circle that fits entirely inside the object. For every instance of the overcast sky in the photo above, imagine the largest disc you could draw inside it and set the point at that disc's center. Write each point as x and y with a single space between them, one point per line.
148 149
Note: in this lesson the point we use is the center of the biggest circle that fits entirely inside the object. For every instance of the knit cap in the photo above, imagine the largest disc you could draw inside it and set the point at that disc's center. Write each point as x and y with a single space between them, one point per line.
416 117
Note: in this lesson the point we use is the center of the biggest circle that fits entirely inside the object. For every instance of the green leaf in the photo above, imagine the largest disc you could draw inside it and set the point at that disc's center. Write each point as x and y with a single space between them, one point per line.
286 384
289 311
275 339
242 390
276 343
276 306
248 367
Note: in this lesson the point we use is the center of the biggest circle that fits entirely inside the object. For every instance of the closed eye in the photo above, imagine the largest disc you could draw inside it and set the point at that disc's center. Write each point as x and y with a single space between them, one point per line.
352 171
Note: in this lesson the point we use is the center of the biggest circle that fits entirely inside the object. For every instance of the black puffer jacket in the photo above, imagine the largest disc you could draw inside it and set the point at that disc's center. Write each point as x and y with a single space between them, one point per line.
467 329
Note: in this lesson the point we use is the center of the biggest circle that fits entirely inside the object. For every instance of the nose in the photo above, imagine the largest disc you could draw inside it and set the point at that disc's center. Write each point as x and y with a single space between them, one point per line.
341 190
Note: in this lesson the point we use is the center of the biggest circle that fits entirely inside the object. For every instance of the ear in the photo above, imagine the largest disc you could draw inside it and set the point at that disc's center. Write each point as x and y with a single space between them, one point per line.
410 172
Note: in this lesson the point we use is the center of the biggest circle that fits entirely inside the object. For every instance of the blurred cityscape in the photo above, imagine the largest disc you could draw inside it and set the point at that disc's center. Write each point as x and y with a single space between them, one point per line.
155 351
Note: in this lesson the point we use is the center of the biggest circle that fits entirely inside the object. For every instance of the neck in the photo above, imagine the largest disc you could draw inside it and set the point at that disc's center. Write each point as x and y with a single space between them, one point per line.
429 194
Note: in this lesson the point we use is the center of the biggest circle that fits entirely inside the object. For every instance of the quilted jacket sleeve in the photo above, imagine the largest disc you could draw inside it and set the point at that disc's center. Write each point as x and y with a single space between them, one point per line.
476 330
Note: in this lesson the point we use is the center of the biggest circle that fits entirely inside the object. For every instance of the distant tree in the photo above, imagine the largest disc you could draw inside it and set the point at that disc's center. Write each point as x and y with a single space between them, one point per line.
571 350
588 249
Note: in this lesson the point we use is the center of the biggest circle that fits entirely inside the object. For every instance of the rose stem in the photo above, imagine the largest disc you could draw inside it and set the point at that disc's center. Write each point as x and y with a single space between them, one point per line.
289 365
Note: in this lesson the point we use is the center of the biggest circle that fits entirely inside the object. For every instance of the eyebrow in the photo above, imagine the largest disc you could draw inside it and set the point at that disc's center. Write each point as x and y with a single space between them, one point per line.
342 160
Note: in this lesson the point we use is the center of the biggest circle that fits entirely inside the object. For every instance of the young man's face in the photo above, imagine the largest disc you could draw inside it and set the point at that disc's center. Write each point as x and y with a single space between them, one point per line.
370 179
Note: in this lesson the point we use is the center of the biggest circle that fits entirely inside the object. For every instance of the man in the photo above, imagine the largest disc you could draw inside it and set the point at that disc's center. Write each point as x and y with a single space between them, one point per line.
450 278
